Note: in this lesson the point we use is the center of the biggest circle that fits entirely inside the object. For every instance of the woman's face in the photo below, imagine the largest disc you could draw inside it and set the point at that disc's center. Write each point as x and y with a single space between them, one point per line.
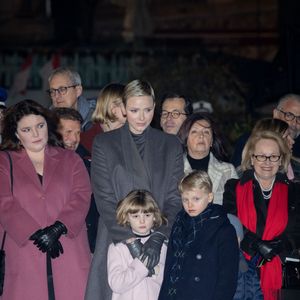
266 170
289 140
200 139
118 111
139 111
32 132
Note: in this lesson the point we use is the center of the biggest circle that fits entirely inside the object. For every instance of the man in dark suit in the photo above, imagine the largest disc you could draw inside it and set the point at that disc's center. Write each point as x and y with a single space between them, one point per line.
70 122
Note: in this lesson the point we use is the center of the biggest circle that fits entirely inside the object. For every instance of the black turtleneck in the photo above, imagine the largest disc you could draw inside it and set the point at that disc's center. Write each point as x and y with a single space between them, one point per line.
199 164
139 140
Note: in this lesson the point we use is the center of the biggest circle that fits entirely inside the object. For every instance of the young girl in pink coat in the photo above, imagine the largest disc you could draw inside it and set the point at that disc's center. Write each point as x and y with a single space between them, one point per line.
128 275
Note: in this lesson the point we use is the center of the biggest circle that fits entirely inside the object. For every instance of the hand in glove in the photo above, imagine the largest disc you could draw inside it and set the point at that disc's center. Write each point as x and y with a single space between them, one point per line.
152 248
45 238
135 248
269 249
252 244
56 250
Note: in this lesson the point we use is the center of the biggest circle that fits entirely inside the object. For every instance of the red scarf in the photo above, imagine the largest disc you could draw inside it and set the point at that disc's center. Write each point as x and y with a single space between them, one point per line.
276 222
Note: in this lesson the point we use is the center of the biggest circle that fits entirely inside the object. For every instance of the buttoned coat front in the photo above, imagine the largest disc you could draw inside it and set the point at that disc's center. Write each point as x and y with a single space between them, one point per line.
202 260
117 169
64 195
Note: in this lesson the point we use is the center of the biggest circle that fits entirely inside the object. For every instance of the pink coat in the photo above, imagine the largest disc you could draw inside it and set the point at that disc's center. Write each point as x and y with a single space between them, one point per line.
127 277
65 196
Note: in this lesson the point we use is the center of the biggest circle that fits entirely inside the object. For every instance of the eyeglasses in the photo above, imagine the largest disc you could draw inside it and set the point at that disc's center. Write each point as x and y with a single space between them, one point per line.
174 114
288 116
61 90
262 158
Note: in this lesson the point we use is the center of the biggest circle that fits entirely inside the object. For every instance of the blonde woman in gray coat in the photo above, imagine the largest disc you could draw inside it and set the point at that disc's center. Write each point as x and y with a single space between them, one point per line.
135 156
205 151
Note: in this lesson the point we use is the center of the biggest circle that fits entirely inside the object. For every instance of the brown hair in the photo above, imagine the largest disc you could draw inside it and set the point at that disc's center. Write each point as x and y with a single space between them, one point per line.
139 200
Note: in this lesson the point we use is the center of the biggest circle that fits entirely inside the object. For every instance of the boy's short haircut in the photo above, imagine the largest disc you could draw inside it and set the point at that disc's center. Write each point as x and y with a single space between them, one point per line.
195 180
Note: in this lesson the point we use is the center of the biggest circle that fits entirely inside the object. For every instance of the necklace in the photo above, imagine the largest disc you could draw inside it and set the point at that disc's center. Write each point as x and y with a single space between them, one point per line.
267 193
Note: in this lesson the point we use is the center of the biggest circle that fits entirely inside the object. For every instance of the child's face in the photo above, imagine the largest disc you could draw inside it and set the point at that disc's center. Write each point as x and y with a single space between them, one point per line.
195 201
141 223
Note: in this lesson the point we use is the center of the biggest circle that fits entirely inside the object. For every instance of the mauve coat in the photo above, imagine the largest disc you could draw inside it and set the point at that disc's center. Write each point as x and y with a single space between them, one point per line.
65 196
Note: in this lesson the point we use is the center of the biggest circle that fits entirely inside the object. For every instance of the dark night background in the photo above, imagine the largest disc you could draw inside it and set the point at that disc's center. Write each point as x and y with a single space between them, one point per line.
240 55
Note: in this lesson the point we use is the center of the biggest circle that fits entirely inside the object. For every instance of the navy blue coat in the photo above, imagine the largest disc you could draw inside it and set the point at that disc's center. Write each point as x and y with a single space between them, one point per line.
202 257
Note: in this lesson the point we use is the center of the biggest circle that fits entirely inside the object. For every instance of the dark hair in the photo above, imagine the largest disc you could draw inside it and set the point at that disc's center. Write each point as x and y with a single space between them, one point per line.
67 113
188 107
217 148
24 108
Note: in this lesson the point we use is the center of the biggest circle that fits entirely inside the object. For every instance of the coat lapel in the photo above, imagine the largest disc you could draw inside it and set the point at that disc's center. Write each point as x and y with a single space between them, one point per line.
214 171
51 164
22 160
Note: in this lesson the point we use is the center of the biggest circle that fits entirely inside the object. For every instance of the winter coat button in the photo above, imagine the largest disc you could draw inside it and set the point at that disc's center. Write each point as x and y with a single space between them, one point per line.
199 256
197 279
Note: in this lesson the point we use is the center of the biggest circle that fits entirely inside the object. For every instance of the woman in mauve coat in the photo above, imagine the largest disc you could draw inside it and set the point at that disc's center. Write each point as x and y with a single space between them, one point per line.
44 216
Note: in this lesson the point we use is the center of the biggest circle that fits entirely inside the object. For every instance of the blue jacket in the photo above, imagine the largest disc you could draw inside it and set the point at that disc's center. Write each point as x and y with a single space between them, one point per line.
248 287
202 257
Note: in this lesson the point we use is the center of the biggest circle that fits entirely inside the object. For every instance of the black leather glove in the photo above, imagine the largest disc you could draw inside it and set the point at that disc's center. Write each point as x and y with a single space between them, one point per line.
152 248
56 250
46 238
269 249
135 248
252 244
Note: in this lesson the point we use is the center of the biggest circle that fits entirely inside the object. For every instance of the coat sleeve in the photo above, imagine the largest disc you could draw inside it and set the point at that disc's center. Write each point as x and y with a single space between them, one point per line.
74 212
229 196
158 277
14 219
104 194
292 232
172 203
228 253
123 275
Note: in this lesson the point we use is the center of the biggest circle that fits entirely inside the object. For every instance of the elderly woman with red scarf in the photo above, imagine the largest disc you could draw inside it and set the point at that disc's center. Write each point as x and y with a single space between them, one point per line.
267 204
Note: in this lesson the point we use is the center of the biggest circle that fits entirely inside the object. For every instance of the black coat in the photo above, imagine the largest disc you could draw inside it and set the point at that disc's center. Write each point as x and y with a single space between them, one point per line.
92 217
202 257
291 235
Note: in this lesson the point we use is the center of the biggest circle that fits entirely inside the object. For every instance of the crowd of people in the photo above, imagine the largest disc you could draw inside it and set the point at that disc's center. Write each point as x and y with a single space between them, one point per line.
95 203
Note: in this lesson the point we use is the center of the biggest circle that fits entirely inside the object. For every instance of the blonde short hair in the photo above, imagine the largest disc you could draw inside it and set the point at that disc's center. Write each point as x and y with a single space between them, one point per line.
138 88
248 150
197 179
136 201
109 95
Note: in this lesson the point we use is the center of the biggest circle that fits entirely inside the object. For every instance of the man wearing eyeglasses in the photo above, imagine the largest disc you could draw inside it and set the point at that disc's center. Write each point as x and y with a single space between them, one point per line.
175 109
65 90
288 110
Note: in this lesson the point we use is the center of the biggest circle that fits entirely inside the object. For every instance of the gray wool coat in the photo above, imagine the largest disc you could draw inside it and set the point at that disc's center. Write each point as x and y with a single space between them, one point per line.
117 169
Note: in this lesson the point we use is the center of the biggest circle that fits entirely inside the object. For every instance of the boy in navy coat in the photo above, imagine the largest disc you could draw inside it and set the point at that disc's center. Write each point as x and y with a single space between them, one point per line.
203 253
